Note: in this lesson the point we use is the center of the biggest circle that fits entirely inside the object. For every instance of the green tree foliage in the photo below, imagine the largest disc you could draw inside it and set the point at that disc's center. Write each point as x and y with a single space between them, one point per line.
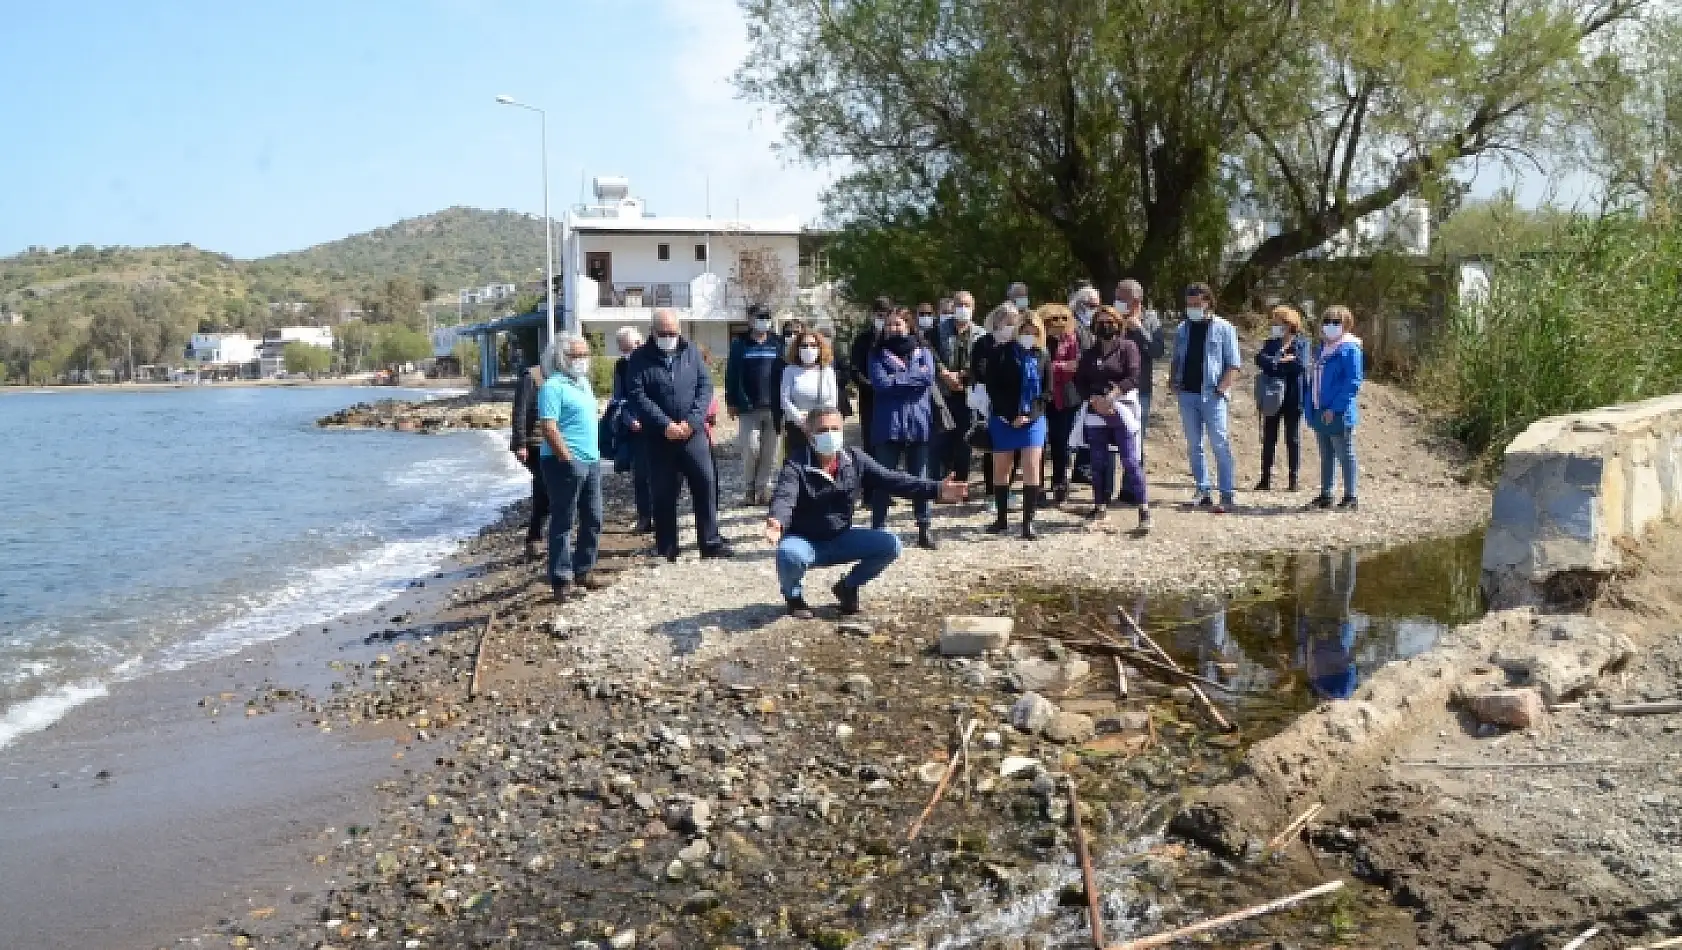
398 300
401 344
1123 132
1631 133
1500 226
307 358
1591 324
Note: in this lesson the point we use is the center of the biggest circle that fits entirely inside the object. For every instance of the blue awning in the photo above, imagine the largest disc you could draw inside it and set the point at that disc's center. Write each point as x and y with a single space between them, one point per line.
519 321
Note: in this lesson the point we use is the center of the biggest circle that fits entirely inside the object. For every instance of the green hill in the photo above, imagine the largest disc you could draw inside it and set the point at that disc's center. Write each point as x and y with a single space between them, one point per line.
90 307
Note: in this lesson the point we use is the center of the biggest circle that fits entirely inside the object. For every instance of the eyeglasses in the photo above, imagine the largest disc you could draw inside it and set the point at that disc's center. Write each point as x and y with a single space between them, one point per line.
1332 322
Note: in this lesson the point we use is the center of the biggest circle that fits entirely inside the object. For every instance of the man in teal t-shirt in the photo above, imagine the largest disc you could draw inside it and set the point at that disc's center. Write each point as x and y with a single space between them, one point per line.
572 467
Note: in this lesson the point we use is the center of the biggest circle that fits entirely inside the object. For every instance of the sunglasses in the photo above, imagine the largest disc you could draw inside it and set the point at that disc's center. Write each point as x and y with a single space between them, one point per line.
1332 322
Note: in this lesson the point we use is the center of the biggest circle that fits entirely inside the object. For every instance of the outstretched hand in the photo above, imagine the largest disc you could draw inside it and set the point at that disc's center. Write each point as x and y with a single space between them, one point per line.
773 531
953 491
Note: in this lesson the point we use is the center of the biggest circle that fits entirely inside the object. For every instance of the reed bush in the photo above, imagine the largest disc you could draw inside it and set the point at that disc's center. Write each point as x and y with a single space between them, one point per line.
1596 320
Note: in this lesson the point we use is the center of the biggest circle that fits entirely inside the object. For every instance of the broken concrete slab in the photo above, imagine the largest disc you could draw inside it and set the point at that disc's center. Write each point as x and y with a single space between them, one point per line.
1513 708
1070 727
973 636
1049 676
1564 656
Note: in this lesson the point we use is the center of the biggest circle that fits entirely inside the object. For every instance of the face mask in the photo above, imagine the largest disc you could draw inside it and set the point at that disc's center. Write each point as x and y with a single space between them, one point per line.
762 324
580 366
880 322
1028 342
925 320
666 343
1332 332
1277 332
1021 303
827 442
1194 313
1003 334
808 355
1106 332
961 314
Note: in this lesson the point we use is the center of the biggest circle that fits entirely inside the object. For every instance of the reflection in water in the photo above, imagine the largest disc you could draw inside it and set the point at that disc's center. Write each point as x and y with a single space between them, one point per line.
1338 616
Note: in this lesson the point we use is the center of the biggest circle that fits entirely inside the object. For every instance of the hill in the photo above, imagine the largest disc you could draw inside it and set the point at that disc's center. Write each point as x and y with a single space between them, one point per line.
89 307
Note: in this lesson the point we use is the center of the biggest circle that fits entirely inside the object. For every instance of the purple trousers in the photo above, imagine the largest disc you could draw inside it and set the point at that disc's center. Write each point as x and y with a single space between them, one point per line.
1099 438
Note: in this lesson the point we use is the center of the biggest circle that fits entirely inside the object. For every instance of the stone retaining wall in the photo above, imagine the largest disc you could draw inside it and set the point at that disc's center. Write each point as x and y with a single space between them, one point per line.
1575 492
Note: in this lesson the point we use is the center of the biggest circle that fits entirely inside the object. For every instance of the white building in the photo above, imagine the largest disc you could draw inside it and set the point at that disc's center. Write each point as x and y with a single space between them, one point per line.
222 348
314 336
1402 228
490 293
619 263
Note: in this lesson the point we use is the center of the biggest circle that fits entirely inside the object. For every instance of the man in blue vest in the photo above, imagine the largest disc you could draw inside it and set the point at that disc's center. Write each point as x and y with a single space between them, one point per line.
671 392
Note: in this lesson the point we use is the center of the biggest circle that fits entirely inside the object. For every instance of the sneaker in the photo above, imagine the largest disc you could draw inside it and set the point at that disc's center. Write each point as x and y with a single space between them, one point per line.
926 540
799 609
1351 504
1321 501
1205 500
564 593
1265 484
1098 513
846 598
1144 522
717 551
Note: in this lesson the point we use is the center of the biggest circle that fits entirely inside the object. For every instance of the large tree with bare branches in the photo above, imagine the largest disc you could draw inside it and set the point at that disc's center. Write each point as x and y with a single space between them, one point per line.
1125 129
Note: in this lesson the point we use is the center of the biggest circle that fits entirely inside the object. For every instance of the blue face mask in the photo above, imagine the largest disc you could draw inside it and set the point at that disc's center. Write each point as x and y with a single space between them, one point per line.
827 442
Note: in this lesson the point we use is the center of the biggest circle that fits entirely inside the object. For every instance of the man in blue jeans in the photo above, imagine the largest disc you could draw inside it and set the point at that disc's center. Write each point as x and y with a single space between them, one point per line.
572 465
811 520
1205 369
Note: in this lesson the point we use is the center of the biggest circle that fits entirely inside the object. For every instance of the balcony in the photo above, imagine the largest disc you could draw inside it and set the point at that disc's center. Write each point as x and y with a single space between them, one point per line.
642 295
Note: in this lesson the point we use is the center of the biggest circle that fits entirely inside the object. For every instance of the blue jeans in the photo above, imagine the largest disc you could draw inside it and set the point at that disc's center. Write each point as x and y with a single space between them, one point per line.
1337 450
575 496
915 455
1200 414
873 550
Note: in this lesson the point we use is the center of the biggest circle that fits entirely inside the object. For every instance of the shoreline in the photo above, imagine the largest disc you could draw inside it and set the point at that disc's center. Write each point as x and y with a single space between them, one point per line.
348 382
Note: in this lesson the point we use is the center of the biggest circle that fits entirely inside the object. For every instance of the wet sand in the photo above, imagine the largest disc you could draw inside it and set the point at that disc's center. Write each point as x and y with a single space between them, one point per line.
144 815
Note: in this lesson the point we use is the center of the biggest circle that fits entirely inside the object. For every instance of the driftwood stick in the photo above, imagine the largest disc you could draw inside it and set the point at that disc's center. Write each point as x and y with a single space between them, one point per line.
479 656
1202 697
1150 663
1120 676
940 789
1646 709
1492 766
1295 827
1232 918
1582 938
1661 945
1093 915
963 757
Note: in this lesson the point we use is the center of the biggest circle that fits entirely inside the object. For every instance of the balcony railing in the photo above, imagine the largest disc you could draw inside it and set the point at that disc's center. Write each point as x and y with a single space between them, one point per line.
642 295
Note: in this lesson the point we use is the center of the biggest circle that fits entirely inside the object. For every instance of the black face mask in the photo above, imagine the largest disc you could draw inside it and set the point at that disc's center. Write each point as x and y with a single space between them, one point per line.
1107 332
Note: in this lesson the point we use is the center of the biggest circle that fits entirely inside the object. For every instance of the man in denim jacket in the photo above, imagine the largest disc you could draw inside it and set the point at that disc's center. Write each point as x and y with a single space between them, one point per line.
1205 369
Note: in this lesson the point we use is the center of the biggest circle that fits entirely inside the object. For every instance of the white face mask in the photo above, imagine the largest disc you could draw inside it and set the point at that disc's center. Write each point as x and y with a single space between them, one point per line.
808 355
961 314
925 320
1021 303
1194 313
1276 331
827 442
1332 332
1028 342
1004 334
666 343
762 324
880 322
580 367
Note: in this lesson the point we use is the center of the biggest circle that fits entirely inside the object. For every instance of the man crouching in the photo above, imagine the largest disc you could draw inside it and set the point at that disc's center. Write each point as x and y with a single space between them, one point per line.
811 519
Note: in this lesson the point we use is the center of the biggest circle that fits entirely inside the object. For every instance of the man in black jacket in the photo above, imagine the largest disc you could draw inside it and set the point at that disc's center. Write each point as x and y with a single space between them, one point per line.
670 392
525 444
811 520
858 362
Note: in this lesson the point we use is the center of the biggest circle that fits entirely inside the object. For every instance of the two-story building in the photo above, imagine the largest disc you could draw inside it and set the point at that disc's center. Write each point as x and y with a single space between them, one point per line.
222 349
619 264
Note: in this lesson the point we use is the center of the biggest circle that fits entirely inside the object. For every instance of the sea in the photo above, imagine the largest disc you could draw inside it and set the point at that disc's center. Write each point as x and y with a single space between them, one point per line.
147 531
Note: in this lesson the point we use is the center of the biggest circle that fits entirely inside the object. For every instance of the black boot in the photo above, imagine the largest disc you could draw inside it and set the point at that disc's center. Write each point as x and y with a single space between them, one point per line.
1030 501
925 539
1001 499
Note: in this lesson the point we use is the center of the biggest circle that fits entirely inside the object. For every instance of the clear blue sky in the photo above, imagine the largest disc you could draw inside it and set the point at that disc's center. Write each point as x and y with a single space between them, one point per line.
258 127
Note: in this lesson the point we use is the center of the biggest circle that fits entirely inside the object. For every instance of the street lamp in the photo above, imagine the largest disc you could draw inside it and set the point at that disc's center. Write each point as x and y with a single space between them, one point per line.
548 235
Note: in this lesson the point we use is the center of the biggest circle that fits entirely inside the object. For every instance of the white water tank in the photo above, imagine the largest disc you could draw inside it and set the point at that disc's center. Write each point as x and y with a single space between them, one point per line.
611 189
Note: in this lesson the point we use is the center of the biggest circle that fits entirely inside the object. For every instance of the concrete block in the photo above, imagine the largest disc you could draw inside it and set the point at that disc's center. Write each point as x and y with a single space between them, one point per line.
973 636
1032 713
1513 708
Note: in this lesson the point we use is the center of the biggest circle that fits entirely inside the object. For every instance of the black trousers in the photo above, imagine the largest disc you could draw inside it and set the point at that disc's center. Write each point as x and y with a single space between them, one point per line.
1062 425
1290 416
539 495
692 461
866 407
954 446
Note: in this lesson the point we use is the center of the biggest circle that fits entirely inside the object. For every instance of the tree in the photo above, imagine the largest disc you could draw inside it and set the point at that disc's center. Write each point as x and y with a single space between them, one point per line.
397 301
1631 129
1126 132
759 275
307 358
400 344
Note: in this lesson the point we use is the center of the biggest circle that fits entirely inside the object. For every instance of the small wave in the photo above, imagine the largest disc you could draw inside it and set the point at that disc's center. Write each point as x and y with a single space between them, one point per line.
36 714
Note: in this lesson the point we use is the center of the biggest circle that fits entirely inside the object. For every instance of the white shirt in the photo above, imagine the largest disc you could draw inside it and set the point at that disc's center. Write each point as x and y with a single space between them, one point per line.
806 388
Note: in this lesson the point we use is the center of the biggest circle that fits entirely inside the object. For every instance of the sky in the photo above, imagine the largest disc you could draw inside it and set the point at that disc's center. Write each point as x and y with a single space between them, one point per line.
253 128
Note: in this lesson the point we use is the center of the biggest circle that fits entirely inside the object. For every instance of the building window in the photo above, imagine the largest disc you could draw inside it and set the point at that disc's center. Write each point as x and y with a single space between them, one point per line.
663 251
701 253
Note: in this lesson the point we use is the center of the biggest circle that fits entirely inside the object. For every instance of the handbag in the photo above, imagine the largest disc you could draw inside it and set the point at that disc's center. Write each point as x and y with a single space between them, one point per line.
980 437
1270 394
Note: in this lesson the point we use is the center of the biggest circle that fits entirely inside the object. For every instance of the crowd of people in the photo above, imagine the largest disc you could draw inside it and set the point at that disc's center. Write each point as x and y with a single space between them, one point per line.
1059 386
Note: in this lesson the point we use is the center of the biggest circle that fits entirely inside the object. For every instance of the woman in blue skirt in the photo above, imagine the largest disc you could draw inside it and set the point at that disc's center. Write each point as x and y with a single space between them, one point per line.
1018 377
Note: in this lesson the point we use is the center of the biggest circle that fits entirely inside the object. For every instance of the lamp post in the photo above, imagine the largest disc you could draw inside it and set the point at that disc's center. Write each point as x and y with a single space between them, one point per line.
548 235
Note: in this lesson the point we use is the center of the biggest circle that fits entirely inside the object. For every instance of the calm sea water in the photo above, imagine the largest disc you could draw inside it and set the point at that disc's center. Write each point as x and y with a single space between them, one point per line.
147 531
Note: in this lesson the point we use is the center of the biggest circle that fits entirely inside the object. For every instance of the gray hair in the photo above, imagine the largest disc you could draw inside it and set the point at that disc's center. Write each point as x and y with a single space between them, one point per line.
628 337
1088 295
1132 289
555 356
1002 313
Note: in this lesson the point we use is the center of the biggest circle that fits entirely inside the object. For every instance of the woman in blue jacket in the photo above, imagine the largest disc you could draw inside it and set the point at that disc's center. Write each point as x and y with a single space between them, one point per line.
902 418
1283 359
1334 382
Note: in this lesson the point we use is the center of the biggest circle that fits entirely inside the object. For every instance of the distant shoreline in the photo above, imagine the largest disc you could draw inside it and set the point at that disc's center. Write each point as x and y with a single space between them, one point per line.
457 382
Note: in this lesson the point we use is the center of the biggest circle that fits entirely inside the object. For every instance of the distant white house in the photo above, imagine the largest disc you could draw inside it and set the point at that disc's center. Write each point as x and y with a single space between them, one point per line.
490 293
620 263
222 348
314 336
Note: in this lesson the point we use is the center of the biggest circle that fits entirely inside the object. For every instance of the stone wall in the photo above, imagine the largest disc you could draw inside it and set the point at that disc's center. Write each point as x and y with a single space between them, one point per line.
1575 492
